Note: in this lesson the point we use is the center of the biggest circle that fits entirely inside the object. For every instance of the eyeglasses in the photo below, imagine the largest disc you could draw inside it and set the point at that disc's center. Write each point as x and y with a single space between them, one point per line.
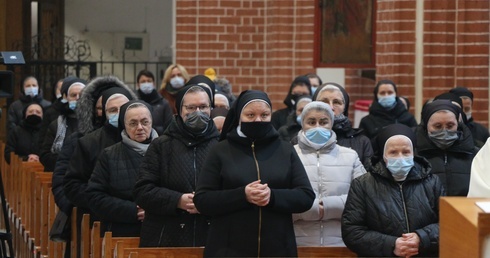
191 108
134 124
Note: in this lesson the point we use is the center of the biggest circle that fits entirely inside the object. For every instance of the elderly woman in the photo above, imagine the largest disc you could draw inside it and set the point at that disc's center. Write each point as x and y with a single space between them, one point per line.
330 168
335 95
448 145
111 184
251 184
393 210
168 175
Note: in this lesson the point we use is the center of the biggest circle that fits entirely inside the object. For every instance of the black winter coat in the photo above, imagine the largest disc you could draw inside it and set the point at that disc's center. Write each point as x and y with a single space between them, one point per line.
239 228
479 132
50 114
378 210
290 130
23 140
83 161
354 139
48 158
161 113
111 190
170 169
379 117
15 109
60 170
453 165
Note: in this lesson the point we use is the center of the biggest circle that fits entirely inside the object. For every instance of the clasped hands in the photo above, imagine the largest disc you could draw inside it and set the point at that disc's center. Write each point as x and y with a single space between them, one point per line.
257 193
407 245
187 203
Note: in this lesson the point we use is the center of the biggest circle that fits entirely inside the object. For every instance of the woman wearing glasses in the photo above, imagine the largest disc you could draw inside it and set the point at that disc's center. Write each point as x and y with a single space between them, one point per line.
168 175
111 184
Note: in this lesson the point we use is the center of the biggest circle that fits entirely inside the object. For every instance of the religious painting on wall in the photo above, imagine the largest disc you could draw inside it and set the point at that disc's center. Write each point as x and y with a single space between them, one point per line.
346 33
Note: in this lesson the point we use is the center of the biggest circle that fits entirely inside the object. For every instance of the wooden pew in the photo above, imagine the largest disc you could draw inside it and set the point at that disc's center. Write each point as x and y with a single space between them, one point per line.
317 251
109 243
74 232
122 251
85 237
157 252
55 249
96 243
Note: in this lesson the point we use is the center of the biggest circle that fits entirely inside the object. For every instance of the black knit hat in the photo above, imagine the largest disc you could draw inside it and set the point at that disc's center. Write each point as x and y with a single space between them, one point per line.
437 105
462 92
233 117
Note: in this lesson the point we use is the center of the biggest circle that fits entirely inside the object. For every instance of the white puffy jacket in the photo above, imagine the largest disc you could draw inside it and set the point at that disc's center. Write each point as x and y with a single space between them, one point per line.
330 170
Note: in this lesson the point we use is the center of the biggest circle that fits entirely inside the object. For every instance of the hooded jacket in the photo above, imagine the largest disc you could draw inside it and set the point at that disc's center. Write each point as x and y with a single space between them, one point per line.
330 171
453 165
379 117
279 117
15 109
87 123
378 210
169 169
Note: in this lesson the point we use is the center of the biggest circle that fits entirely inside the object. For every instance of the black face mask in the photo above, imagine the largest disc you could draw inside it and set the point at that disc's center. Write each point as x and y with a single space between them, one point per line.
197 122
33 120
255 130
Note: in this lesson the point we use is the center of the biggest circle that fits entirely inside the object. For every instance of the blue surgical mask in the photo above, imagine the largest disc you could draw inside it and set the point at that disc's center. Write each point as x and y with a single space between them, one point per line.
313 89
147 87
177 82
31 91
318 135
298 119
387 101
399 167
113 119
72 104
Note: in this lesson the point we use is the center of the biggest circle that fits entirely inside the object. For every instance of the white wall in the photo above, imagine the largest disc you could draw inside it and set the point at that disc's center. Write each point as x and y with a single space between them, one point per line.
121 16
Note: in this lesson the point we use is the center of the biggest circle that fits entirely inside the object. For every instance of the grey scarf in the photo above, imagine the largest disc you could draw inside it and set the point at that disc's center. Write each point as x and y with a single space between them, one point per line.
137 146
60 135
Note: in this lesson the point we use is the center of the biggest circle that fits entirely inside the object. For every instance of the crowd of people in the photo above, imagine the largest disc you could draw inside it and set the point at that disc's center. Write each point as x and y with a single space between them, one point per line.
191 164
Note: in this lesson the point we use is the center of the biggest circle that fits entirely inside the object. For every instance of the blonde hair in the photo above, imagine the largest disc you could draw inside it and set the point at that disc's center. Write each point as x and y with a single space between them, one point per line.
168 74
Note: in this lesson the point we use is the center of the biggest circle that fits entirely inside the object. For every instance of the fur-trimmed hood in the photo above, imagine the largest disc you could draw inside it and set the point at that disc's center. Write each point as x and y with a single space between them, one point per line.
86 104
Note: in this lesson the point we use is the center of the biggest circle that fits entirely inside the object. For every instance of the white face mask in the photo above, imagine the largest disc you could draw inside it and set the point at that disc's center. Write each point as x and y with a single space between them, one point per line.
147 87
468 115
31 91
177 82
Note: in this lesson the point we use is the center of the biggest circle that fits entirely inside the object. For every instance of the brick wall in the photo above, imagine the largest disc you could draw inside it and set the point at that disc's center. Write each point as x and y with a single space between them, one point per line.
456 48
264 44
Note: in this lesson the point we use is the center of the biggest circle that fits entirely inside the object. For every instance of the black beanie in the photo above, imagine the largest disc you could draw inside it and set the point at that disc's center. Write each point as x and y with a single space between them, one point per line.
203 80
124 108
437 105
461 91
392 130
181 93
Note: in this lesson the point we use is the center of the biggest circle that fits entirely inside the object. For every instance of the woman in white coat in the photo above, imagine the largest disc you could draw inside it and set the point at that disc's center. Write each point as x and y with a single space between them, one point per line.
330 168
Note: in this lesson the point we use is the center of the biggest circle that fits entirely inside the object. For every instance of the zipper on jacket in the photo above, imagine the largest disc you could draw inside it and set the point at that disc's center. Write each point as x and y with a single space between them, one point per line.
161 236
193 191
319 192
260 208
445 158
404 207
